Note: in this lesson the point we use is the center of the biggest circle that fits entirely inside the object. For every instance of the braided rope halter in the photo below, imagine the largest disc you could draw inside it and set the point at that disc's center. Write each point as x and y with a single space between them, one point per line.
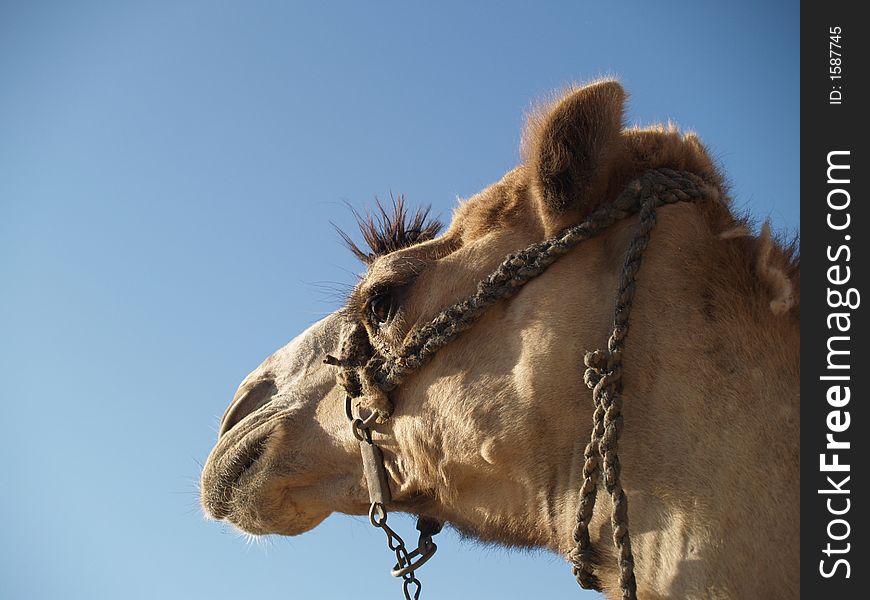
370 369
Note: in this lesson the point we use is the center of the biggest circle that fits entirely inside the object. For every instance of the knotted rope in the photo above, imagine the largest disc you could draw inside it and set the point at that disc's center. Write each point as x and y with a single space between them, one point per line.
604 376
664 186
373 370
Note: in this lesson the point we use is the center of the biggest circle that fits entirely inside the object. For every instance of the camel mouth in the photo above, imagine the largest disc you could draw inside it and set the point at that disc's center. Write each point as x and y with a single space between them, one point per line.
256 482
234 460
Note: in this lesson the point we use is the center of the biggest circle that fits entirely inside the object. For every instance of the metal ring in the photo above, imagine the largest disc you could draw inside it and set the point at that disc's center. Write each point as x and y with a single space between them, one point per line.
377 510
413 565
360 431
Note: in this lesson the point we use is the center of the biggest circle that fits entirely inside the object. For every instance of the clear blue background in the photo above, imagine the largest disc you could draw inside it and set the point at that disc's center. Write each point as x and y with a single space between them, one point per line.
168 174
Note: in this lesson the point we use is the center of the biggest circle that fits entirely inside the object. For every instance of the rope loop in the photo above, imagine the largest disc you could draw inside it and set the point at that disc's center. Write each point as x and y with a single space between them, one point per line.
604 376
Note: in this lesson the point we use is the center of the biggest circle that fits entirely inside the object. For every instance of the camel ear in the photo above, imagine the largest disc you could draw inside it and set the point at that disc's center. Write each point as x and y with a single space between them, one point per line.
568 148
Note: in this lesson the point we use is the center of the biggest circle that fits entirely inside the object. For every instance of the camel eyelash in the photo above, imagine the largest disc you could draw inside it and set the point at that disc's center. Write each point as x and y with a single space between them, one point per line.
387 230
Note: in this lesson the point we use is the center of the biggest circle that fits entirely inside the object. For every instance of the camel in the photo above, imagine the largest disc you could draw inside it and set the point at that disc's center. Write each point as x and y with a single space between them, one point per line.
489 434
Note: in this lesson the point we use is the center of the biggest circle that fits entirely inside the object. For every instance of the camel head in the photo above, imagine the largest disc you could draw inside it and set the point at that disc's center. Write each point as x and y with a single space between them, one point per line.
488 435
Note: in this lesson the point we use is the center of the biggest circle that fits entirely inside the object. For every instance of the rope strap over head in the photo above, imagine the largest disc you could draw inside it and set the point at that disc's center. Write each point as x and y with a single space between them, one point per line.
660 186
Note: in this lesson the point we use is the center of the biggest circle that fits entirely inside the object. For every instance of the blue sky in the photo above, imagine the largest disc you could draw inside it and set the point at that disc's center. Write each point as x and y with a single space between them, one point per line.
168 174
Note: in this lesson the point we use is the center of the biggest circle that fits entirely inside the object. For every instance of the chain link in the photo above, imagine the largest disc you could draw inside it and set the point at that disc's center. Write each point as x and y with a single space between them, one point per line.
406 562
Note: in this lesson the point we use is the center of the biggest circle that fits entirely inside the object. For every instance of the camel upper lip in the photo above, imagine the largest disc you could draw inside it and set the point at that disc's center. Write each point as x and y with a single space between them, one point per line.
235 454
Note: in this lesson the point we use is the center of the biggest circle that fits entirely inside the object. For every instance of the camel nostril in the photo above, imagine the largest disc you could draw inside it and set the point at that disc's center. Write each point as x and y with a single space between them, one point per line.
249 398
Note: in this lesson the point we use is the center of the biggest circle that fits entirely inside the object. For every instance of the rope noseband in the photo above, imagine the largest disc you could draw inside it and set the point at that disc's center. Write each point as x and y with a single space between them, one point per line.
372 370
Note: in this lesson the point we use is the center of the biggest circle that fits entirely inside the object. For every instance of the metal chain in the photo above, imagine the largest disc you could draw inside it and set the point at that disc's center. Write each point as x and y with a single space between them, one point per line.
379 494
406 562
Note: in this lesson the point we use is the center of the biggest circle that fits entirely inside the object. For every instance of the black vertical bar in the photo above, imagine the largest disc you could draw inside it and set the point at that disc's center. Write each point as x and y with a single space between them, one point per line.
835 225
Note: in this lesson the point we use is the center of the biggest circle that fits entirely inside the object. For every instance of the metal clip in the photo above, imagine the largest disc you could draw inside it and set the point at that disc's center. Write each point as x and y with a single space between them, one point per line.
375 473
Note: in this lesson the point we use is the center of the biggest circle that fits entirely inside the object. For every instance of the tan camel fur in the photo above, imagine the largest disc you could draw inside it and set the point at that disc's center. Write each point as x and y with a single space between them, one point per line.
489 435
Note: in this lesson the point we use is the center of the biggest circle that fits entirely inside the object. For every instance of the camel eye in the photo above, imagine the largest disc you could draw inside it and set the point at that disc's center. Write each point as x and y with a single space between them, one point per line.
381 308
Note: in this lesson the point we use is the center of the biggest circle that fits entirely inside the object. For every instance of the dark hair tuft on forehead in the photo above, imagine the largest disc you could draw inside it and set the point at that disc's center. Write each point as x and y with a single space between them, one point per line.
388 229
